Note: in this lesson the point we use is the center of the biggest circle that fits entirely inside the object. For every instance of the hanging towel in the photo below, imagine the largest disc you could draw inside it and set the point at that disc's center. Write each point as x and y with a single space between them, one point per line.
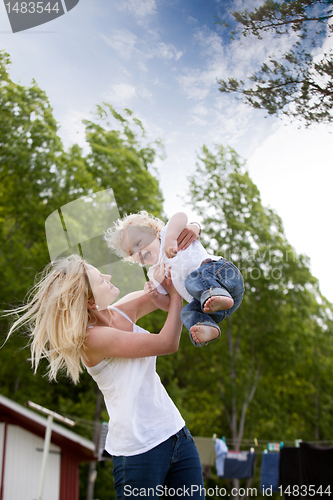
206 450
289 469
316 467
239 464
269 472
221 450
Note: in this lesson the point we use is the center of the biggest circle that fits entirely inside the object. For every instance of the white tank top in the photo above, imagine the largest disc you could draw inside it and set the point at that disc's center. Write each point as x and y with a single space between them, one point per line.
142 415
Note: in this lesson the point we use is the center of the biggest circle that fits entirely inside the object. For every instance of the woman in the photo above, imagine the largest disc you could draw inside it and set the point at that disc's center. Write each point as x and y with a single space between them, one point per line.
71 322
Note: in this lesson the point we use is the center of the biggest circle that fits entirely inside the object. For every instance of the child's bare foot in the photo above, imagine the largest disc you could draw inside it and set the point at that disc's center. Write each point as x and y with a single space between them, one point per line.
204 333
218 303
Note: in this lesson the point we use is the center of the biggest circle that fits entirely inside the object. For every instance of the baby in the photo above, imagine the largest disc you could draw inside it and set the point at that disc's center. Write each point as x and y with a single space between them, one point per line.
212 286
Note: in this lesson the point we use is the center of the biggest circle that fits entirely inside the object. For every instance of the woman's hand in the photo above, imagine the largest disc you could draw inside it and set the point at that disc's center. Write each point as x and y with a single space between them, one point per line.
151 290
168 285
165 280
159 273
187 236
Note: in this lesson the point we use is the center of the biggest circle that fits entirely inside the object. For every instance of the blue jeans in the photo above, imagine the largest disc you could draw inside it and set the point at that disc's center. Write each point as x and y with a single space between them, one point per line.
219 277
172 468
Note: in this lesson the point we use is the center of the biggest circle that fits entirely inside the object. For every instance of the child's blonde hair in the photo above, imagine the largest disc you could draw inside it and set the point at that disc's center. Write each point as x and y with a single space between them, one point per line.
114 236
57 316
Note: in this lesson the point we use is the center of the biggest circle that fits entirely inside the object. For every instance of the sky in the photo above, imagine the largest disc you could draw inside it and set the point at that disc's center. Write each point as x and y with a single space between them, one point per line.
162 59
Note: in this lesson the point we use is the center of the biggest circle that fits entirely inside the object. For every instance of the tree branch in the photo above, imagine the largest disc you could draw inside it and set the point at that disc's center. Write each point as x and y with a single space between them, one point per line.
286 22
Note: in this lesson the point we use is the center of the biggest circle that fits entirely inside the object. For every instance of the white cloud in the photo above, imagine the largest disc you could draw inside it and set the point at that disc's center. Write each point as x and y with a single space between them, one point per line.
200 109
122 41
120 94
192 20
196 120
164 51
139 8
178 55
144 92
230 123
197 114
210 44
196 83
152 46
128 45
172 137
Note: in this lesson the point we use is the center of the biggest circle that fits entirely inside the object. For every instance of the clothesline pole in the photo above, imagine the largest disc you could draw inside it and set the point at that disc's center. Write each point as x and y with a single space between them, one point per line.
47 440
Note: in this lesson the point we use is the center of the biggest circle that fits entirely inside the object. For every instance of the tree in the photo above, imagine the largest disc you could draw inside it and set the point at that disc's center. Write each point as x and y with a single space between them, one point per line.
278 323
295 84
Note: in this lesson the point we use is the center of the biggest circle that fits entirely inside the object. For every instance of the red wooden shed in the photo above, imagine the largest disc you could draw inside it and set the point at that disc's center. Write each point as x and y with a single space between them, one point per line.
22 434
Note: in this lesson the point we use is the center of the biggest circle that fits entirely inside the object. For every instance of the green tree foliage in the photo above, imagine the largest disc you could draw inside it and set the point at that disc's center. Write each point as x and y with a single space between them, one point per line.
30 149
29 186
295 83
265 357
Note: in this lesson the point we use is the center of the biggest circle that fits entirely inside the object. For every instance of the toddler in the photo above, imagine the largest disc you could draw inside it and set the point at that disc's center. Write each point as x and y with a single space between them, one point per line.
212 286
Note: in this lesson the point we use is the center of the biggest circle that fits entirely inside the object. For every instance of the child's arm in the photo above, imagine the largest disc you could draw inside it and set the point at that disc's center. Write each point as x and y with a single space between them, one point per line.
159 300
176 225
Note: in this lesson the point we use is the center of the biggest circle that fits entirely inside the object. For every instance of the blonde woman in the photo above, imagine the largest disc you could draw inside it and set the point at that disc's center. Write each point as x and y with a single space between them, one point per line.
72 323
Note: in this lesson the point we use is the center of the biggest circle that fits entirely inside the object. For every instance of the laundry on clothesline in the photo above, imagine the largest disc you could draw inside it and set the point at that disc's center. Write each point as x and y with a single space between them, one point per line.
228 464
206 453
239 465
206 449
269 472
274 446
308 465
221 450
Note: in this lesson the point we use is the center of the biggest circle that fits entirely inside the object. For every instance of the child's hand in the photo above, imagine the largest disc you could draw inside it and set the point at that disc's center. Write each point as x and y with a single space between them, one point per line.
170 248
151 290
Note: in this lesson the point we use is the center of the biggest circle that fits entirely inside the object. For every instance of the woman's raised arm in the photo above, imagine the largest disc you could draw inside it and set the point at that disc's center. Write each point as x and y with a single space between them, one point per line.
103 342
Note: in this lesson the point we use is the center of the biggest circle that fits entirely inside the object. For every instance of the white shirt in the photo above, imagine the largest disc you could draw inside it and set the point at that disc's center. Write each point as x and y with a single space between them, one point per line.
181 265
142 415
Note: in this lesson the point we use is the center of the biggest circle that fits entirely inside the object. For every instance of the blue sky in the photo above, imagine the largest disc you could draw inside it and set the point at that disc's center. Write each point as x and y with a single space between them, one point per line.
161 58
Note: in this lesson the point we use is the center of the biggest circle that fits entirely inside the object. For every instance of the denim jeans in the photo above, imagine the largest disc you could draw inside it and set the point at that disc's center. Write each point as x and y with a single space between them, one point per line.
172 468
218 277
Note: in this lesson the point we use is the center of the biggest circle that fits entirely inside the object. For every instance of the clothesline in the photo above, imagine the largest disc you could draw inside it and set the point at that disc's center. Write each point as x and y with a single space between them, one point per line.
305 463
263 442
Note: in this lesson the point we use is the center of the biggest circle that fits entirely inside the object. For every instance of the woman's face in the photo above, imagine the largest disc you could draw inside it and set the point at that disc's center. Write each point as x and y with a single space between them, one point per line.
104 292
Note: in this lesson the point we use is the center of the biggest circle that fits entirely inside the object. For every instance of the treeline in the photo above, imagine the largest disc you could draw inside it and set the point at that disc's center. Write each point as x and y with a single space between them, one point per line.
269 376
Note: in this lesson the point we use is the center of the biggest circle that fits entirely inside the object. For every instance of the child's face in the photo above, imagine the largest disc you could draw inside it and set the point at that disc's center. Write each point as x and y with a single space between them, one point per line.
148 256
142 244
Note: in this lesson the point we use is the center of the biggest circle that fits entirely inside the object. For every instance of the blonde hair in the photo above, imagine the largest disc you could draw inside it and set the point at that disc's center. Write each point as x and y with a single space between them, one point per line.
57 317
114 236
